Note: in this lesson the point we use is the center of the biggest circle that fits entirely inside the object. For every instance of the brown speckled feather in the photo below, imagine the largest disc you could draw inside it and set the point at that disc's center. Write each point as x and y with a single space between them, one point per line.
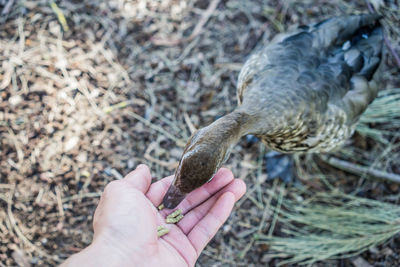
303 92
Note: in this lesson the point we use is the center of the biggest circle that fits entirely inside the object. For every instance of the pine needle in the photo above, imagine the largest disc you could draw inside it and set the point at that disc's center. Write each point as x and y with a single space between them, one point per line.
60 16
382 118
330 226
120 105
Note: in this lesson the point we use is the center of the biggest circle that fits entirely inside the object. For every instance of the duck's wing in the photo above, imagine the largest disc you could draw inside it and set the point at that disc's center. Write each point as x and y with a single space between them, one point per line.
337 30
353 47
331 62
260 58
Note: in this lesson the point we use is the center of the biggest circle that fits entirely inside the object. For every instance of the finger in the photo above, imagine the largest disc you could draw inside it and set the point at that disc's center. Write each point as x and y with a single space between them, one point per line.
237 187
140 178
222 178
181 243
205 230
158 189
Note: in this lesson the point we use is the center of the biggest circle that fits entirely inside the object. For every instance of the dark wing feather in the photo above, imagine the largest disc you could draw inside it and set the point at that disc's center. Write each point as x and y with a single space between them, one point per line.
353 55
337 30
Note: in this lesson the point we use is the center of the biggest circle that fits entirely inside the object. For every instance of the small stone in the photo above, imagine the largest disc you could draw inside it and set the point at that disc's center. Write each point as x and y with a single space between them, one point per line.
15 100
227 228
71 143
360 262
387 251
107 171
394 187
266 258
130 164
82 157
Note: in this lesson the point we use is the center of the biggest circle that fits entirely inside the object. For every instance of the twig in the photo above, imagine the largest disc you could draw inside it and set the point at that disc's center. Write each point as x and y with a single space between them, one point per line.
267 209
20 153
249 245
172 124
5 186
157 128
255 201
278 208
60 16
386 40
189 123
116 174
8 7
230 66
248 194
59 203
124 104
19 232
392 51
204 18
370 7
261 225
119 105
21 35
219 259
166 164
361 170
8 70
196 31
80 196
259 171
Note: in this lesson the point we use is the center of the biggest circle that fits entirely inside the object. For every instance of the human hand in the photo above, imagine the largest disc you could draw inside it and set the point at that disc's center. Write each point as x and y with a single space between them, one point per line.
126 219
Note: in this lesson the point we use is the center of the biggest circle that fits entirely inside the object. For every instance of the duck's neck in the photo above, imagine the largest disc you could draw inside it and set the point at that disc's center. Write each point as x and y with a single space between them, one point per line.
231 127
223 134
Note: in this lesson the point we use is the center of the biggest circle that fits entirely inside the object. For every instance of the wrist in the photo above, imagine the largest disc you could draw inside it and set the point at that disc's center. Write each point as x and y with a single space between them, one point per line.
98 254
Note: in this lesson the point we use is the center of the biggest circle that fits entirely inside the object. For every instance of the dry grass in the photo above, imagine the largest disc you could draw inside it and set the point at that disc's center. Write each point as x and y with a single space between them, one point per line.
125 84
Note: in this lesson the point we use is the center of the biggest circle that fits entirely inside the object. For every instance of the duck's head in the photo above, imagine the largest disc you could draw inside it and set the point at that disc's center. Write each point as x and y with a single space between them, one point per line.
205 152
201 159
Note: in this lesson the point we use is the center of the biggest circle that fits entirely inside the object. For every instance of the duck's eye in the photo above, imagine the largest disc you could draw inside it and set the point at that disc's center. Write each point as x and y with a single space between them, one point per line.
203 163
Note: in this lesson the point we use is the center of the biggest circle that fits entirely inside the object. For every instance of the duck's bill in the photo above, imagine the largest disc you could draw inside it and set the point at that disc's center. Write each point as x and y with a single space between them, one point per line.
173 197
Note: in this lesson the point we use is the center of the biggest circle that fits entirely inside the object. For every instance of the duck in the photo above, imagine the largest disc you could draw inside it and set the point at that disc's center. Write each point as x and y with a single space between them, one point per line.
303 92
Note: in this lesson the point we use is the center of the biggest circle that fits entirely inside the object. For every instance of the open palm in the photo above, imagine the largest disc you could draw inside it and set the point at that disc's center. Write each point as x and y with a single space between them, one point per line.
126 220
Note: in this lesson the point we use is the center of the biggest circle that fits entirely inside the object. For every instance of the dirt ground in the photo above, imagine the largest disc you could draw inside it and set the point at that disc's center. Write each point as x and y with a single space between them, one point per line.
126 83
